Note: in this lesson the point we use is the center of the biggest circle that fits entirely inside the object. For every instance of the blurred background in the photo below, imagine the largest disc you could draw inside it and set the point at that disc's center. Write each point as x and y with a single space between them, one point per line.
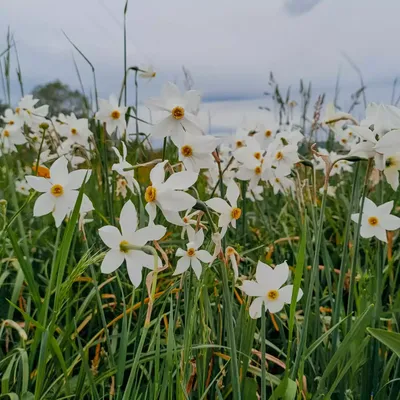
228 48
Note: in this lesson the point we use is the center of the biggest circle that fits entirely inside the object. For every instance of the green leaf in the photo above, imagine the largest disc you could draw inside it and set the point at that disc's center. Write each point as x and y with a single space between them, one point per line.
389 339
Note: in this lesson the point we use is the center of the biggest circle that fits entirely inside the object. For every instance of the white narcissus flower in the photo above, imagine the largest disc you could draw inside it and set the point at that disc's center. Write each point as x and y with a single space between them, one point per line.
195 151
121 189
251 154
265 135
280 184
181 111
286 137
169 195
268 289
28 114
281 157
76 130
118 241
9 137
11 120
192 256
229 213
60 190
376 220
253 175
391 171
175 218
123 164
113 115
383 118
335 118
147 72
22 187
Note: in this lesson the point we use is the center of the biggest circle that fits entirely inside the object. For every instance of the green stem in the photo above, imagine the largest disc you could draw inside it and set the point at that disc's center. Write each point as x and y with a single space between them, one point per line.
164 150
263 369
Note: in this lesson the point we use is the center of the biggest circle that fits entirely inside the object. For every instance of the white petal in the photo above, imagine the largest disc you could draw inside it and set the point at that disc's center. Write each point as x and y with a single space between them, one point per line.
264 276
285 294
151 209
157 174
392 176
181 180
43 205
76 178
369 206
367 231
180 252
232 193
134 271
112 260
128 218
111 236
380 233
174 218
147 234
275 306
252 288
355 217
182 265
386 208
143 260
196 267
204 256
199 238
256 308
38 183
172 200
165 127
389 222
219 205
280 274
59 172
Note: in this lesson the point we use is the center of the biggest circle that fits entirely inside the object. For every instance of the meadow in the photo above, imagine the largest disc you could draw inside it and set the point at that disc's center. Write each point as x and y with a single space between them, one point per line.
262 265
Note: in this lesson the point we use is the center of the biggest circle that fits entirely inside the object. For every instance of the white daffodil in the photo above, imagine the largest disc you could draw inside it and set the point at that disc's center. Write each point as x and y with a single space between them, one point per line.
265 135
123 164
195 151
9 137
233 256
281 157
60 190
113 115
251 154
192 256
181 111
253 175
28 114
169 195
268 289
76 130
229 212
122 187
22 187
11 120
391 171
255 194
381 118
376 220
280 184
118 241
289 138
335 118
147 72
345 137
175 218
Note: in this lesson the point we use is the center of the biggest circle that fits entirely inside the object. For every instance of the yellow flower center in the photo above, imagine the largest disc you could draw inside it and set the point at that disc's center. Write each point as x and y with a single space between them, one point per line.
239 144
273 295
350 133
150 194
257 170
6 133
277 180
344 140
230 251
10 122
191 252
17 110
279 155
185 220
57 190
186 151
178 112
122 246
268 133
153 74
390 162
373 221
236 213
74 131
115 114
257 155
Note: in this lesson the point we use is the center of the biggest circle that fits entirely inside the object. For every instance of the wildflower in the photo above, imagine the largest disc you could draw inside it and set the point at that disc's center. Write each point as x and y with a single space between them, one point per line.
113 115
391 171
22 187
268 289
265 135
251 174
192 256
76 130
169 195
118 243
175 218
123 164
287 138
195 151
181 111
11 120
28 114
11 137
281 157
251 155
229 212
233 257
60 190
121 189
376 220
147 72
280 184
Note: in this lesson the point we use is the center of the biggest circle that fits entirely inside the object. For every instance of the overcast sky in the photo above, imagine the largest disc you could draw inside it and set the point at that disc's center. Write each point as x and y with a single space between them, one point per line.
230 46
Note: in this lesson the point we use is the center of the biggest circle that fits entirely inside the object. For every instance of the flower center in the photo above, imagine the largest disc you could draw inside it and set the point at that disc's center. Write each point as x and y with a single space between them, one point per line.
178 112
236 213
185 220
191 252
230 251
257 155
257 170
279 155
239 144
268 133
186 151
390 162
6 133
277 180
344 140
150 194
115 114
57 190
74 131
10 122
373 221
273 295
17 110
350 133
122 246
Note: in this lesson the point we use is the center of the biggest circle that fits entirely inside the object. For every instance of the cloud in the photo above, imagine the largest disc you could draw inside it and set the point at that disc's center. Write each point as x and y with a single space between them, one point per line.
298 7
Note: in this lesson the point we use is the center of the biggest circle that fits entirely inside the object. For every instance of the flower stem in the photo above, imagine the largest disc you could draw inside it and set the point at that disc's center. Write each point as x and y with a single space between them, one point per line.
263 369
